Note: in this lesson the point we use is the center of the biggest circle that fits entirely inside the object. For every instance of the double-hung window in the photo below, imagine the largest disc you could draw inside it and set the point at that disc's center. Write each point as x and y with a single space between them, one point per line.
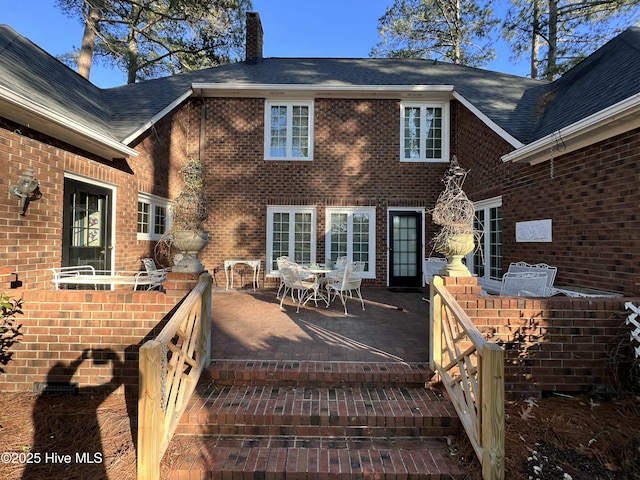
288 130
424 132
486 263
350 232
153 216
291 232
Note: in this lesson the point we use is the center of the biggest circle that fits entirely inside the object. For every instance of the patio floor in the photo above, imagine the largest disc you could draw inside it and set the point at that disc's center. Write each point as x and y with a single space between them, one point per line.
249 325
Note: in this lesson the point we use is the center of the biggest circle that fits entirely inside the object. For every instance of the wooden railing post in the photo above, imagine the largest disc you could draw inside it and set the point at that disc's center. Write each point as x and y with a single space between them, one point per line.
205 317
492 388
150 414
435 336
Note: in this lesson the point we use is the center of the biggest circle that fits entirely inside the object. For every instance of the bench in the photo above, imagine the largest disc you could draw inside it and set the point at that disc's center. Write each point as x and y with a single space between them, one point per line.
87 275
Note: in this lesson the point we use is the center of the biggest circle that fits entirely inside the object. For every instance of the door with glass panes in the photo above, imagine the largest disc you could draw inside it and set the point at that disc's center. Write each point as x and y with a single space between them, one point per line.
405 247
86 225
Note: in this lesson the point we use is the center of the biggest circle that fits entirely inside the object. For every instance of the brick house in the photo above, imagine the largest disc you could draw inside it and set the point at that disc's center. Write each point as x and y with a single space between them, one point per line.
315 158
358 176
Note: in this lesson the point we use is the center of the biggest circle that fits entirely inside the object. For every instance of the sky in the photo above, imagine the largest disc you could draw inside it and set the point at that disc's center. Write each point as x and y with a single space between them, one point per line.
292 28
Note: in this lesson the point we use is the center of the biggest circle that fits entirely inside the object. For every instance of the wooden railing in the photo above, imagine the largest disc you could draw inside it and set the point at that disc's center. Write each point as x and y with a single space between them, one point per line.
169 369
472 371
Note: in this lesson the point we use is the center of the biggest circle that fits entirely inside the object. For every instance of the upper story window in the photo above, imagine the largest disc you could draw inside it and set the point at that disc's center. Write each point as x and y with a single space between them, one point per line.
288 130
153 216
424 132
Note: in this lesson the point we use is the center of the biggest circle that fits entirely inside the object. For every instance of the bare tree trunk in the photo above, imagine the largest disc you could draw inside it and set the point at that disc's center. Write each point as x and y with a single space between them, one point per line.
457 33
132 56
535 39
85 59
552 56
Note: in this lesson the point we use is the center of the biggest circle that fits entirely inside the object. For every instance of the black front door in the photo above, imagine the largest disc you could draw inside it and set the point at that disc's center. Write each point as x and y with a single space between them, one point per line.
405 246
86 225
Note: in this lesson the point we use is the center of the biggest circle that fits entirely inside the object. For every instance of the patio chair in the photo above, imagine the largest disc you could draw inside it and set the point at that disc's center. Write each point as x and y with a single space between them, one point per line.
432 266
156 275
338 271
281 262
351 281
292 278
524 284
536 267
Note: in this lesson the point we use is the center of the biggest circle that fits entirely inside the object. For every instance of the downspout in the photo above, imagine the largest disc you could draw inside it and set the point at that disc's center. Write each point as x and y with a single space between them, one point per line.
203 120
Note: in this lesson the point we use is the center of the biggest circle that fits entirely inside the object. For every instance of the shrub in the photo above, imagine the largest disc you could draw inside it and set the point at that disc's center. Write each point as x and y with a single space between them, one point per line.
9 327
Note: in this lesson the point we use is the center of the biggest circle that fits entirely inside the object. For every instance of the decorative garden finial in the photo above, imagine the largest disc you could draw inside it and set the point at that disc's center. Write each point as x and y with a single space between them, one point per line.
190 211
455 213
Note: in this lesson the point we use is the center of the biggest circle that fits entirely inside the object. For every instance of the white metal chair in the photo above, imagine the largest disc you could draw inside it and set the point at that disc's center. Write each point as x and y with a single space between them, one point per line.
292 278
524 284
156 275
536 267
338 270
351 281
281 262
432 266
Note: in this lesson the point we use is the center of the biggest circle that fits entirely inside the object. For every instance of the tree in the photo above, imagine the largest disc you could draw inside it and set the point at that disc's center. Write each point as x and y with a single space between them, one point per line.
458 31
150 38
557 34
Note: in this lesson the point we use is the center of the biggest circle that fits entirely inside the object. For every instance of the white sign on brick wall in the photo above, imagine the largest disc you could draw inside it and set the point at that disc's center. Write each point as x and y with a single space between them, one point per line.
534 231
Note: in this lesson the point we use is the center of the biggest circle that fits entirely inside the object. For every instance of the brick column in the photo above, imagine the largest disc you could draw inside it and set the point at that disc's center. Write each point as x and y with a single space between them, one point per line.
465 290
178 284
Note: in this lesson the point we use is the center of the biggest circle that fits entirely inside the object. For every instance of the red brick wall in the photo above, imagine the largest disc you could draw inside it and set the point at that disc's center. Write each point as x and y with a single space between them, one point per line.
32 244
57 326
356 162
592 197
557 344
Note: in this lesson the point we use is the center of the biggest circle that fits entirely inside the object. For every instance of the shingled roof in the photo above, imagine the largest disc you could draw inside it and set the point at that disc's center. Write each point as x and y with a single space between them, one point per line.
523 108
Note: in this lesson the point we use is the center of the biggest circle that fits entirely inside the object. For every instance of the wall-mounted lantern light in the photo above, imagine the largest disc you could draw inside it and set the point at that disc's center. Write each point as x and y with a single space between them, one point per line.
27 188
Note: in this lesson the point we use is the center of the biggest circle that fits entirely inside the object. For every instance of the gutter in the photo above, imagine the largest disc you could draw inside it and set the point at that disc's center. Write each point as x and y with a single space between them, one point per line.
323 90
51 117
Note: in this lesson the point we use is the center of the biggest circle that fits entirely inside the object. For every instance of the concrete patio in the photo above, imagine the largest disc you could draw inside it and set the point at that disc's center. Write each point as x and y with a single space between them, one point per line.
249 325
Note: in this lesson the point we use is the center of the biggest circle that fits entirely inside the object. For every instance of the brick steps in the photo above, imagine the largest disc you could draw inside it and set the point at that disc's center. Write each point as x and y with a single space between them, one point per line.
320 374
312 459
324 420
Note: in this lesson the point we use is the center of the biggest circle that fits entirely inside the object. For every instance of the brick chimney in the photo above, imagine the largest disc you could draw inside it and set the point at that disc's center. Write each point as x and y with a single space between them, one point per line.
255 34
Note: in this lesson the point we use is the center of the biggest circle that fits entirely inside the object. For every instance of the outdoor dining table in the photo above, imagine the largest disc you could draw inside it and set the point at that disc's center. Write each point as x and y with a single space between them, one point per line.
230 264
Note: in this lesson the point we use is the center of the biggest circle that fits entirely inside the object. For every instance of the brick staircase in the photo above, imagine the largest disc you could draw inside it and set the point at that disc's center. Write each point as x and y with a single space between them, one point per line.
314 420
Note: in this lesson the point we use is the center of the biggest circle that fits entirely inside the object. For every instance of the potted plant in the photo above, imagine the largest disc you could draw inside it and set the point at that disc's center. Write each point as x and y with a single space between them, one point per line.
455 213
190 210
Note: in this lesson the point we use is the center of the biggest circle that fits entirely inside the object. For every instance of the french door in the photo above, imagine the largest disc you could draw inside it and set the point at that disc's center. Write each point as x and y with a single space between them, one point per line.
405 247
86 225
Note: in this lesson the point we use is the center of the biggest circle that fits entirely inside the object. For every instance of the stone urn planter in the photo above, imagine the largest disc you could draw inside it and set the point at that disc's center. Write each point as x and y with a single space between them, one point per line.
189 243
455 213
187 235
455 247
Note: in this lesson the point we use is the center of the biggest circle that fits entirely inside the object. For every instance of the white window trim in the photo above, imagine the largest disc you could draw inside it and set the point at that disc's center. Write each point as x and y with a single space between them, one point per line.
291 210
445 132
267 128
371 273
154 201
487 283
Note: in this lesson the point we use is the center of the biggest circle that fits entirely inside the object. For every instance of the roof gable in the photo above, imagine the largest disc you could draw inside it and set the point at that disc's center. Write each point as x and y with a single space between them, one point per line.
38 90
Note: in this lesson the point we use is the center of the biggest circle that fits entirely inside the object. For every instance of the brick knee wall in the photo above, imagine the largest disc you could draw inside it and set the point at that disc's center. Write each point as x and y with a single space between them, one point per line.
558 344
108 326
